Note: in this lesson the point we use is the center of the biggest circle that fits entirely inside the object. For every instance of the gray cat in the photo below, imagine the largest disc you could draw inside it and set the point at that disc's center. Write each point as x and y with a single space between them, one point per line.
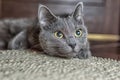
56 36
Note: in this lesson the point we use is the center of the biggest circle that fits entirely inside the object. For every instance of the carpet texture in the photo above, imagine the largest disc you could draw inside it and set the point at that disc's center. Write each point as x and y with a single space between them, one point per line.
29 65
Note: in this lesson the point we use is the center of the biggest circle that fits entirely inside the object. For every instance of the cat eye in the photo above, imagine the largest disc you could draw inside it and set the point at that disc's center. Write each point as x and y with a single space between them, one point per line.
59 34
78 33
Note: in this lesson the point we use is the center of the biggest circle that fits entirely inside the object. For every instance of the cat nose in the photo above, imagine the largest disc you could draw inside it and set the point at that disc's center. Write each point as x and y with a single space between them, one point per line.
72 45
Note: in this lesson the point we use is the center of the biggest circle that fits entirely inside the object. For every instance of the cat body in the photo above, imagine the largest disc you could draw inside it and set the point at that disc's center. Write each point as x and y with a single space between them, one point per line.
56 36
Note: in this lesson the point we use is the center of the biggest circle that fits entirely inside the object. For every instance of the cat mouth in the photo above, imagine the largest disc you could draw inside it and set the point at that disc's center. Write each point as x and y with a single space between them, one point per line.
68 55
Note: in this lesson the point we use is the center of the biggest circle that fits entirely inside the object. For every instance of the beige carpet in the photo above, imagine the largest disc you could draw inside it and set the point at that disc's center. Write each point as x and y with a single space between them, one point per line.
28 65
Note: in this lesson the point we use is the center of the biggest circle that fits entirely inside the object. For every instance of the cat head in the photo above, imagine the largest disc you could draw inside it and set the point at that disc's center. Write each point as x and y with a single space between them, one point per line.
59 36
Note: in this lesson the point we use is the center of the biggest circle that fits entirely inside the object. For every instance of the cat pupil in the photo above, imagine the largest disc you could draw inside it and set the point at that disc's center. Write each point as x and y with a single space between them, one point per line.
78 32
59 34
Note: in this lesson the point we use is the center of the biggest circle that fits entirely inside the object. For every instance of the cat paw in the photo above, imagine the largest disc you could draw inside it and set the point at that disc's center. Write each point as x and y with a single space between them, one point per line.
84 54
18 42
17 45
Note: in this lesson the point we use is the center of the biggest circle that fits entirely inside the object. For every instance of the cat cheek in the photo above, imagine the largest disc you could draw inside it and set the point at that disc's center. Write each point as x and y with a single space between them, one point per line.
65 49
68 49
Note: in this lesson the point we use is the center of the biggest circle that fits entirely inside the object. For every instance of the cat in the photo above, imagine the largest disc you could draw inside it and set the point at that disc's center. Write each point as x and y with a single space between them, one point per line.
56 36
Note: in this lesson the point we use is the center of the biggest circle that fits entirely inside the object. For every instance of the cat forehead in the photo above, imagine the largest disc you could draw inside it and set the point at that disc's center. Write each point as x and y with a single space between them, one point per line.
62 24
67 23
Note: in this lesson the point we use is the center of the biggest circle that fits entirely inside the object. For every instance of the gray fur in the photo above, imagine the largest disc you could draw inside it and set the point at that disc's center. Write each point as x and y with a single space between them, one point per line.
62 47
19 41
9 28
40 34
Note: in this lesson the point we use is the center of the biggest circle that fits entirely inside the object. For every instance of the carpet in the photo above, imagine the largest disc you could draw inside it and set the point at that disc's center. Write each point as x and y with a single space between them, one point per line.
31 65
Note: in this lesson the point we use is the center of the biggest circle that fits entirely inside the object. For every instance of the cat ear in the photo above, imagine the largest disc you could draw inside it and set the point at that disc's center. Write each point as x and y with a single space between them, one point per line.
45 16
78 13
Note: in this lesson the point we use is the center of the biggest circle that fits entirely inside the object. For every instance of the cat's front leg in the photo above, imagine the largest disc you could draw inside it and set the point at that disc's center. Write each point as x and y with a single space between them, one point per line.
19 41
84 54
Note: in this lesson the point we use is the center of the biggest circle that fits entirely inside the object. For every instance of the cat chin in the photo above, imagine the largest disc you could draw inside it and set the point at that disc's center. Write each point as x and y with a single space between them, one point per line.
61 52
63 55
66 55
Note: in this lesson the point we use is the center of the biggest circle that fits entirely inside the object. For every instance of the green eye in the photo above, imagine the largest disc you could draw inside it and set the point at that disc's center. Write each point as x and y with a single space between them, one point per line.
78 33
58 34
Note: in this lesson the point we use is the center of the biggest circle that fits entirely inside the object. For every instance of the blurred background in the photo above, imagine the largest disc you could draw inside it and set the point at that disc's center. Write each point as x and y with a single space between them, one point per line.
102 17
